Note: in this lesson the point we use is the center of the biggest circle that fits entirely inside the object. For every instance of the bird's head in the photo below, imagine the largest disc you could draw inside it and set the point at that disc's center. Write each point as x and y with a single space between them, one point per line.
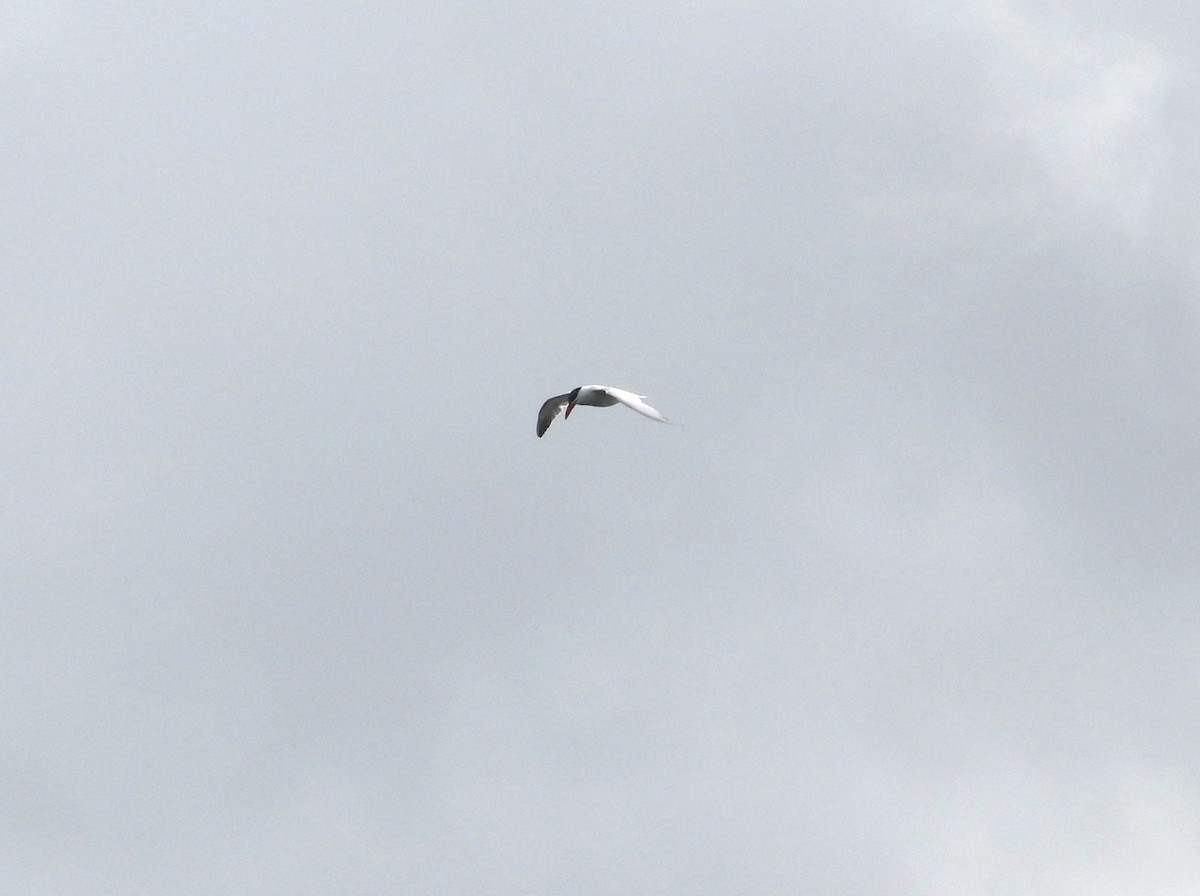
571 401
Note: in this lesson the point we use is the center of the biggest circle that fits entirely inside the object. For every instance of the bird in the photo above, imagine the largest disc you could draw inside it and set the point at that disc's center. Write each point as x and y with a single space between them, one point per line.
596 396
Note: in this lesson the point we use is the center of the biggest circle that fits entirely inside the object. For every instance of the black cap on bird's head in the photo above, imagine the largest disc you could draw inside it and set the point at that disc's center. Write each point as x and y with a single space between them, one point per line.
571 401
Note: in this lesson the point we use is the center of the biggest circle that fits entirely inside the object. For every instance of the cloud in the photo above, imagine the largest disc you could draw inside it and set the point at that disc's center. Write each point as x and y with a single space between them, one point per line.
1107 118
298 601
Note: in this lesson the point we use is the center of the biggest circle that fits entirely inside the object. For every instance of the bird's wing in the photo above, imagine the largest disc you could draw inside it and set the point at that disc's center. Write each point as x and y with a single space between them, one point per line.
551 409
630 400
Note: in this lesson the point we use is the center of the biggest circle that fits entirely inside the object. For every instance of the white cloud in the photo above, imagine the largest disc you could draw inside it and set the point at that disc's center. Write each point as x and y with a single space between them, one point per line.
1107 118
296 599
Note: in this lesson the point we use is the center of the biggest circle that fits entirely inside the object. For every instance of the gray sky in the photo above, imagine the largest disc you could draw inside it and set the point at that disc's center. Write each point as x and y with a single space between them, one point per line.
295 602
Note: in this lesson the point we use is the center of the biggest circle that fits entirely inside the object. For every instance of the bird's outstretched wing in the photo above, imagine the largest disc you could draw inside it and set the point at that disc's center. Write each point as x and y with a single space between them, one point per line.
551 409
630 400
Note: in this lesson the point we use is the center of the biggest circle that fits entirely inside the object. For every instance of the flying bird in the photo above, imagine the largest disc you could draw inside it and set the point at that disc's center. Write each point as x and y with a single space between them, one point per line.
596 396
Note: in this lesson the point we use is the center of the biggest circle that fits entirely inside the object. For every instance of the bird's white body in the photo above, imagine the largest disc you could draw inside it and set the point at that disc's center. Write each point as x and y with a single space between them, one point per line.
594 396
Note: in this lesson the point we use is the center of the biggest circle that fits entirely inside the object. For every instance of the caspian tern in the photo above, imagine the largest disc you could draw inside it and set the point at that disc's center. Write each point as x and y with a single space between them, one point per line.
596 396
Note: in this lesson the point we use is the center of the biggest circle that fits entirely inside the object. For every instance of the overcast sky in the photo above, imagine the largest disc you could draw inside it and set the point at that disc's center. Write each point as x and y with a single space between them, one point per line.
295 601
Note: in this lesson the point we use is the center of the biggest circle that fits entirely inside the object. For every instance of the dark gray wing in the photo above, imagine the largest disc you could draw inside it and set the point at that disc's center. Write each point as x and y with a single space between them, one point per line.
551 409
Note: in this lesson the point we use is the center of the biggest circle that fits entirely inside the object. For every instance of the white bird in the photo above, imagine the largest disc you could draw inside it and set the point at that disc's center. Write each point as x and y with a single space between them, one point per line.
596 396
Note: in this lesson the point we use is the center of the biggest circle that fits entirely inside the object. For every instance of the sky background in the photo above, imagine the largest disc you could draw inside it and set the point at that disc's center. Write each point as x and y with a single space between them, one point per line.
295 602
